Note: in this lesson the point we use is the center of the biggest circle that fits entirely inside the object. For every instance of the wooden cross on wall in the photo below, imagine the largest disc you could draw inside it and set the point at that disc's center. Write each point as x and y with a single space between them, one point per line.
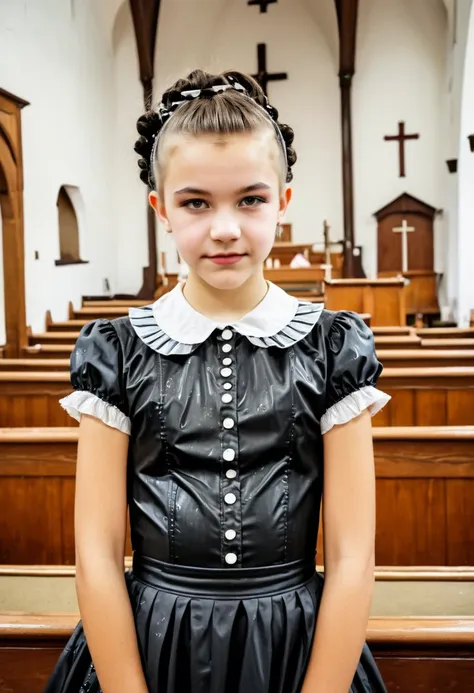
263 77
401 138
262 3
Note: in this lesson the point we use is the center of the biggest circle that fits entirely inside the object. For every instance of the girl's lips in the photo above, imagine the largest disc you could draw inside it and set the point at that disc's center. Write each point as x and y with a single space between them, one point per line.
225 259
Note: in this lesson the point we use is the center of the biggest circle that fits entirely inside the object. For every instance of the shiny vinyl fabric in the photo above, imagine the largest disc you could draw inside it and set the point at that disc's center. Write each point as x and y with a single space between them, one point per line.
224 497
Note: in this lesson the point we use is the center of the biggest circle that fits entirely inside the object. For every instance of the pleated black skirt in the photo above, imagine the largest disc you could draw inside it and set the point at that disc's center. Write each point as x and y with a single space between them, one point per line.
217 631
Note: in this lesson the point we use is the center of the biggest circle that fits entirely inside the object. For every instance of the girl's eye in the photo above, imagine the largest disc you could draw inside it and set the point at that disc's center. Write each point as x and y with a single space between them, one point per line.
195 204
252 201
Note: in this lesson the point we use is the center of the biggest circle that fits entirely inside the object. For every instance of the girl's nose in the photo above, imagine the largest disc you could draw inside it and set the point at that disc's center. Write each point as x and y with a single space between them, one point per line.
225 228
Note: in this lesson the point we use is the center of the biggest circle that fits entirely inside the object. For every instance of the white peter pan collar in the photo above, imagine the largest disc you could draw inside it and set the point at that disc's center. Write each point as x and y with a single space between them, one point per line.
172 326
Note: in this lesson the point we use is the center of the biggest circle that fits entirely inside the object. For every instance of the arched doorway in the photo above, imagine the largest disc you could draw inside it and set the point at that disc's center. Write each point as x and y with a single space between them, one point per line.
11 205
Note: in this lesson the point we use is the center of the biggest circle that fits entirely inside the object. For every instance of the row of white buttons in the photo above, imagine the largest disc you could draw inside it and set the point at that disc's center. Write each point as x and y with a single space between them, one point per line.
228 454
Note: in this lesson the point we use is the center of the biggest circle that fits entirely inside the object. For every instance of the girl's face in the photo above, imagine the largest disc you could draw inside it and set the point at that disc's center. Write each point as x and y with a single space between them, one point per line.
222 202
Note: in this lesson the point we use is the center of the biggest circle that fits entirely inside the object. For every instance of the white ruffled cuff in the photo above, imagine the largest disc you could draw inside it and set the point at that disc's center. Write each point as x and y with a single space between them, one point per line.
349 407
83 402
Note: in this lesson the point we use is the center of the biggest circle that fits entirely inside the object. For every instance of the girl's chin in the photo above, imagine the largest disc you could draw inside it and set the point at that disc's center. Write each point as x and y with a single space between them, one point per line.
226 280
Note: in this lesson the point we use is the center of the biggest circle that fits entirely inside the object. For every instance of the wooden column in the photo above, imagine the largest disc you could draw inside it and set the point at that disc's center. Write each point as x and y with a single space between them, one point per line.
345 82
347 24
11 203
145 14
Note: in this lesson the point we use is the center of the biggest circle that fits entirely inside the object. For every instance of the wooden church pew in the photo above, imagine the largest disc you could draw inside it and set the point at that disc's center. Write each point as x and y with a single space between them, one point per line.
49 351
463 343
446 332
94 312
425 480
68 337
420 630
420 397
427 397
100 303
34 364
410 341
425 358
66 326
391 358
31 398
395 331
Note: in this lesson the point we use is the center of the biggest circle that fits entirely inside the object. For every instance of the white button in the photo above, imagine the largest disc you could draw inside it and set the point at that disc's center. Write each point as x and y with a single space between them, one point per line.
227 334
231 473
226 348
230 534
226 372
229 456
231 558
226 399
228 423
230 498
226 362
227 386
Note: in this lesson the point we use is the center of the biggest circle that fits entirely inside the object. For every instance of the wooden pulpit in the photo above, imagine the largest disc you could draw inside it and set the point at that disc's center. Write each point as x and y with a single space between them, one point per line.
405 248
383 299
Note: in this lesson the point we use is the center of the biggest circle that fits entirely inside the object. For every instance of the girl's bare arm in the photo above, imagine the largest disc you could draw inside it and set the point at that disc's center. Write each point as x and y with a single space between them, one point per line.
100 526
349 537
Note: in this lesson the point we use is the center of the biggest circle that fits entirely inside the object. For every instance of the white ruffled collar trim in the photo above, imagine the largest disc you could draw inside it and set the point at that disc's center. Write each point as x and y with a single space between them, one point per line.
186 325
172 326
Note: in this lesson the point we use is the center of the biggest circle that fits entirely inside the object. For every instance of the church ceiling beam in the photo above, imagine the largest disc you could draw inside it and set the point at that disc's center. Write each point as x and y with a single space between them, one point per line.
145 14
347 23
346 11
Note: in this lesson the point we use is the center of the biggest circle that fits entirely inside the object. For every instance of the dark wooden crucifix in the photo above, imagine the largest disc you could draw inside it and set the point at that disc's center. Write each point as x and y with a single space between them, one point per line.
401 138
263 77
262 3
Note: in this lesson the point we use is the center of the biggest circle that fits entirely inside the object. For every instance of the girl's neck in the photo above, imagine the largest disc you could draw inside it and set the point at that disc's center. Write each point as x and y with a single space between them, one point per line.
224 305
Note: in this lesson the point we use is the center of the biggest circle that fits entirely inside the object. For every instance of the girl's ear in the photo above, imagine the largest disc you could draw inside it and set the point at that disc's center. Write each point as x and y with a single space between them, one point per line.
160 209
285 200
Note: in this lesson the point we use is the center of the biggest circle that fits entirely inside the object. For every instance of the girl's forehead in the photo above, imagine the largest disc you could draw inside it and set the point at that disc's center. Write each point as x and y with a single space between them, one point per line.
215 156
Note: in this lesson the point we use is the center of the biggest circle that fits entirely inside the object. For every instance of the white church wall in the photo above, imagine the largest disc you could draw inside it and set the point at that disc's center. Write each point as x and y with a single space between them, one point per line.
57 56
466 186
400 67
459 13
301 41
130 232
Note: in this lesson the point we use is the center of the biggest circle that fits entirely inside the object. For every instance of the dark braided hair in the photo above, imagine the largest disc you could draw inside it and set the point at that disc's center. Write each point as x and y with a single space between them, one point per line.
213 112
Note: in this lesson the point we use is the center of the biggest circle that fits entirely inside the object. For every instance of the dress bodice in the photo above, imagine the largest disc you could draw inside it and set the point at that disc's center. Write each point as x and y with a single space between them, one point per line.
225 459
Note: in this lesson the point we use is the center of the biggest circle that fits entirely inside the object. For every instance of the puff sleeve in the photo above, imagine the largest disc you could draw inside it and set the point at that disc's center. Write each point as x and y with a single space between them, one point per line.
352 371
97 377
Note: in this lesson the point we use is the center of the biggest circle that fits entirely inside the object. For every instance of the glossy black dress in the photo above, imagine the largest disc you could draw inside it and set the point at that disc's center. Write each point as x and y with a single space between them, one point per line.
224 489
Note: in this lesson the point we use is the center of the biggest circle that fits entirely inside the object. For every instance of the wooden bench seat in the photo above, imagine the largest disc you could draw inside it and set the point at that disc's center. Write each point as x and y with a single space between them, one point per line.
410 341
49 351
425 484
123 303
464 343
95 312
68 337
34 364
66 326
446 332
419 630
396 331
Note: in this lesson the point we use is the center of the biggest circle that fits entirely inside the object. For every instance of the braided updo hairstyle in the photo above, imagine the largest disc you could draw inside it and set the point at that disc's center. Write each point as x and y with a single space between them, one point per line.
213 112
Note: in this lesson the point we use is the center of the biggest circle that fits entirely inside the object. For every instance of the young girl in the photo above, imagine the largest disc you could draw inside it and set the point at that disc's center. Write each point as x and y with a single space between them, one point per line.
221 415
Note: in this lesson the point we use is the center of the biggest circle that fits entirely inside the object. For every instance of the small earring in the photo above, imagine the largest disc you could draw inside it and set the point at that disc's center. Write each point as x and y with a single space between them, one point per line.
279 230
